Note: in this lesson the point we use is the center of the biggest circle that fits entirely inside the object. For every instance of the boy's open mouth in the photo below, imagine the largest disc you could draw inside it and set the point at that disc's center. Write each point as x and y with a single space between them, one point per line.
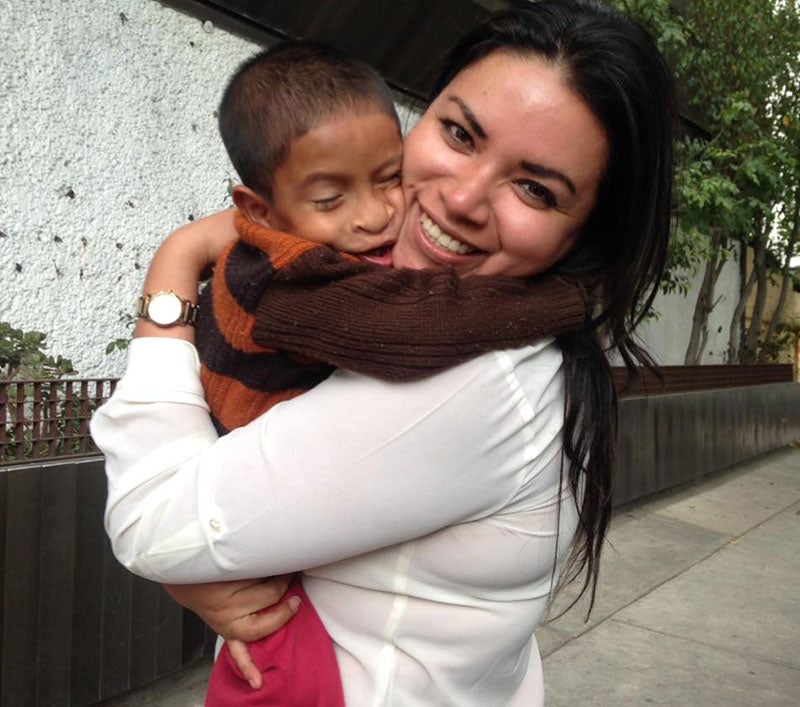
380 256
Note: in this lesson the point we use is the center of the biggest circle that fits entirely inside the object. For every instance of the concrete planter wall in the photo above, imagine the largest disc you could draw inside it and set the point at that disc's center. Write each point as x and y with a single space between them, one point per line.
667 441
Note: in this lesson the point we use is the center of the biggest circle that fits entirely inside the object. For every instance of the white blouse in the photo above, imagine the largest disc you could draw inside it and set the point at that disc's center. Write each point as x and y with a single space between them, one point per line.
424 514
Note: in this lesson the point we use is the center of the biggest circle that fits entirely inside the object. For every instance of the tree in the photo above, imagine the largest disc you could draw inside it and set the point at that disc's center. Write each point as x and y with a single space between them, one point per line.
738 68
22 356
786 235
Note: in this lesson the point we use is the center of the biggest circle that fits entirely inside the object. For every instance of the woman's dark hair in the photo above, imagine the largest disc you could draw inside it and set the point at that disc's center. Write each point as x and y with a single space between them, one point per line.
616 68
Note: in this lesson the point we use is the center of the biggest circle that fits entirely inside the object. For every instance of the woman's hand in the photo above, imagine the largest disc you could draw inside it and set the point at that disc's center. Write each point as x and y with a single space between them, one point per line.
231 610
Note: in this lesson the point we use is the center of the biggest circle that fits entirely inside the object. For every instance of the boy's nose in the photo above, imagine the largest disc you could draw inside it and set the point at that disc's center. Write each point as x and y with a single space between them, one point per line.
375 213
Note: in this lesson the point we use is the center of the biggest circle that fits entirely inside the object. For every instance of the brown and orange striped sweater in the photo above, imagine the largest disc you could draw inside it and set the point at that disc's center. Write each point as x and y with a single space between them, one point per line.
281 312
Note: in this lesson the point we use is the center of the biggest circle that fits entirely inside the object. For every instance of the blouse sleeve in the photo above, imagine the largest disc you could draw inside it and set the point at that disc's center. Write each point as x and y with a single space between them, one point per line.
354 465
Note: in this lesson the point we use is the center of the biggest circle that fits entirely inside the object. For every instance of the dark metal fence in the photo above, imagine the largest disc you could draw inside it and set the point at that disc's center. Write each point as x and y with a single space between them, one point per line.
668 441
46 419
77 627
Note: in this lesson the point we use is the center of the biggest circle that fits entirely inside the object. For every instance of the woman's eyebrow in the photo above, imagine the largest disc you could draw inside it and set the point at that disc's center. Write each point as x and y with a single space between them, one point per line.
469 116
540 170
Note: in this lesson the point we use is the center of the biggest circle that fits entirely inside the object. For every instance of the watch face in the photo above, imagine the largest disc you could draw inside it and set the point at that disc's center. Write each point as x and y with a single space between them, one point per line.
165 308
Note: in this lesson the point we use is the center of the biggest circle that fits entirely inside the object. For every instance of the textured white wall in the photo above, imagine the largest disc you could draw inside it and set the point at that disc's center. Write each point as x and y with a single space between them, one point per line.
108 141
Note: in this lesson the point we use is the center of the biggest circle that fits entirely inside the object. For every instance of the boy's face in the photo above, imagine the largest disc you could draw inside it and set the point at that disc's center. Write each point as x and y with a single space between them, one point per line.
340 184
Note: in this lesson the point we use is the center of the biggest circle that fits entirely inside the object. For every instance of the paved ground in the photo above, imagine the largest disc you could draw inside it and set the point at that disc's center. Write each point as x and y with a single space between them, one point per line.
699 604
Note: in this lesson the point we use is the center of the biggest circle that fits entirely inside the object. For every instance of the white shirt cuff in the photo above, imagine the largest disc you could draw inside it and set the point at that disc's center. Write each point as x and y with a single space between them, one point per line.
162 370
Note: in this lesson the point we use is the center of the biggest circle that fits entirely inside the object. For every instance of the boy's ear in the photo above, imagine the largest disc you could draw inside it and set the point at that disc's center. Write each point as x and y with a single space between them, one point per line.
254 207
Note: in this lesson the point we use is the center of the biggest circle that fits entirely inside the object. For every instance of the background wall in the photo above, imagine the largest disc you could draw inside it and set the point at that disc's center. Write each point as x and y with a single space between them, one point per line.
667 336
108 142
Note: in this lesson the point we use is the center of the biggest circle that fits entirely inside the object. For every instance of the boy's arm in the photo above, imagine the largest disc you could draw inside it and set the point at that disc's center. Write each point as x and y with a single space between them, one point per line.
408 324
179 263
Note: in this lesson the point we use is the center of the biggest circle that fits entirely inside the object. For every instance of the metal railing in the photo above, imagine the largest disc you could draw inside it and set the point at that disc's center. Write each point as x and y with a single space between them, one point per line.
50 419
47 419
683 379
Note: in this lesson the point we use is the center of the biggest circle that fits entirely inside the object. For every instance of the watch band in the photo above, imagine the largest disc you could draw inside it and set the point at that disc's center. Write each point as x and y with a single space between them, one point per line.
166 308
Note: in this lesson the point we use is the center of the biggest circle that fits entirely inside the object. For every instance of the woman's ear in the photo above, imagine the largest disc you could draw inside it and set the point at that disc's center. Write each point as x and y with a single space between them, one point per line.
254 207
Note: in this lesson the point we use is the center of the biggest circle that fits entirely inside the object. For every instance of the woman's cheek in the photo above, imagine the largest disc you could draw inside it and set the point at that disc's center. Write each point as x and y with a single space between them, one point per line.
424 154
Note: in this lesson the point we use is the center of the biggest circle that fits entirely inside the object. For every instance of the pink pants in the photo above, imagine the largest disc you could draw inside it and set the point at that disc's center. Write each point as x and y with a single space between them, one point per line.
298 664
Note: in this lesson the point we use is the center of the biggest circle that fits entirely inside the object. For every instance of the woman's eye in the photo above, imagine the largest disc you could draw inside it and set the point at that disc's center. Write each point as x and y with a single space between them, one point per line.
328 203
456 134
538 193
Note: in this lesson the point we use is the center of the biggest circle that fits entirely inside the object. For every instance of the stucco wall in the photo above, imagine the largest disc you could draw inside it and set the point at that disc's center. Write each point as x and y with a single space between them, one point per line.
108 143
668 336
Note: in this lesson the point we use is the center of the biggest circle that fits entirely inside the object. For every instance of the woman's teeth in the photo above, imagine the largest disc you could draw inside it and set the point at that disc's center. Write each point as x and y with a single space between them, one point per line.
445 241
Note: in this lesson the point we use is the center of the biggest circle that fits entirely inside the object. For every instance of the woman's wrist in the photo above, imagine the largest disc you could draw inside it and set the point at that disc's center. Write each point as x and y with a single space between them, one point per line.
178 266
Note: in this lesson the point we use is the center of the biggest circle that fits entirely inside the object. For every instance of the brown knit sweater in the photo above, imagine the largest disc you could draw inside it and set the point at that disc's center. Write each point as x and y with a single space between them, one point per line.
281 312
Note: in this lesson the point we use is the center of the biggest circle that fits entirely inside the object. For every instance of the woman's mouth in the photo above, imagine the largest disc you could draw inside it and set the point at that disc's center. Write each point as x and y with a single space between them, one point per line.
442 239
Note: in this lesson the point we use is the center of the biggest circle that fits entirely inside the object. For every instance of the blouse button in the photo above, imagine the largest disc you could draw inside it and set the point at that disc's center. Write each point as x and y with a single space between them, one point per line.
214 524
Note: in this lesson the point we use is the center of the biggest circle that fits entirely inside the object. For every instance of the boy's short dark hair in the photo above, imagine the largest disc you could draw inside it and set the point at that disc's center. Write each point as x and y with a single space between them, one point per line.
283 92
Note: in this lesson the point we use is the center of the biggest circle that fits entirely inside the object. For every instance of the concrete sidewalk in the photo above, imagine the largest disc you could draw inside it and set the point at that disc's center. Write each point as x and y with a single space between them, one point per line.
698 604
699 600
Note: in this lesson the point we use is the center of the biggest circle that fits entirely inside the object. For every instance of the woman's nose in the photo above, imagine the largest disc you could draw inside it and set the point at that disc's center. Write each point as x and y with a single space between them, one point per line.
465 197
374 212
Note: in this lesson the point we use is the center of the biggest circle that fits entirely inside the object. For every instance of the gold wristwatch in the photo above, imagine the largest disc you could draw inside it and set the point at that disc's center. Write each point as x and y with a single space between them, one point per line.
166 309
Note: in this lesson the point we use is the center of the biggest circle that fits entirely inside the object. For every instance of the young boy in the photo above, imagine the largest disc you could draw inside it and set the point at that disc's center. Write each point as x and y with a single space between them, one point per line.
316 141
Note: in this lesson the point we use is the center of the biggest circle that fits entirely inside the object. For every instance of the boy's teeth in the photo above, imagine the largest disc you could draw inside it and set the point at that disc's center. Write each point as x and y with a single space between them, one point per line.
435 233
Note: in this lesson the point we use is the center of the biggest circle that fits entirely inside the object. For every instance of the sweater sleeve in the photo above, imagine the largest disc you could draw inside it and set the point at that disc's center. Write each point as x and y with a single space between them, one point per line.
408 324
293 295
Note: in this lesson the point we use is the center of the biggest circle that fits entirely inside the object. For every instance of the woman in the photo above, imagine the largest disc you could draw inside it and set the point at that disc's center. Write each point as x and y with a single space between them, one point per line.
436 514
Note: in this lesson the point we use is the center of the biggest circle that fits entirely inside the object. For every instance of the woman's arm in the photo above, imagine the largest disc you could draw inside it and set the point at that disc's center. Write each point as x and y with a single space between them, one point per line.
351 466
230 608
180 262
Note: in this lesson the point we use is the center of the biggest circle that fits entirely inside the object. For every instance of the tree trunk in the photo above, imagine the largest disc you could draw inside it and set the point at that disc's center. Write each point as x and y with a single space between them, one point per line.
735 337
702 308
752 337
787 281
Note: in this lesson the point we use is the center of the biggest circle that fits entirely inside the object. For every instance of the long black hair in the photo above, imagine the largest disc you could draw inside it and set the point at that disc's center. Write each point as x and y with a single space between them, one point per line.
614 66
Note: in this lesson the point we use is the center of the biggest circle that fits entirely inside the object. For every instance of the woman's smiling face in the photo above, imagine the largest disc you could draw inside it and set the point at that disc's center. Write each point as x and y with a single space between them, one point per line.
501 172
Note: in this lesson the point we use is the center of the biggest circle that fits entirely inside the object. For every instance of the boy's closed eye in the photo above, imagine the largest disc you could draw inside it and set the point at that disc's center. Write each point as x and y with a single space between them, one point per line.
328 203
392 179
